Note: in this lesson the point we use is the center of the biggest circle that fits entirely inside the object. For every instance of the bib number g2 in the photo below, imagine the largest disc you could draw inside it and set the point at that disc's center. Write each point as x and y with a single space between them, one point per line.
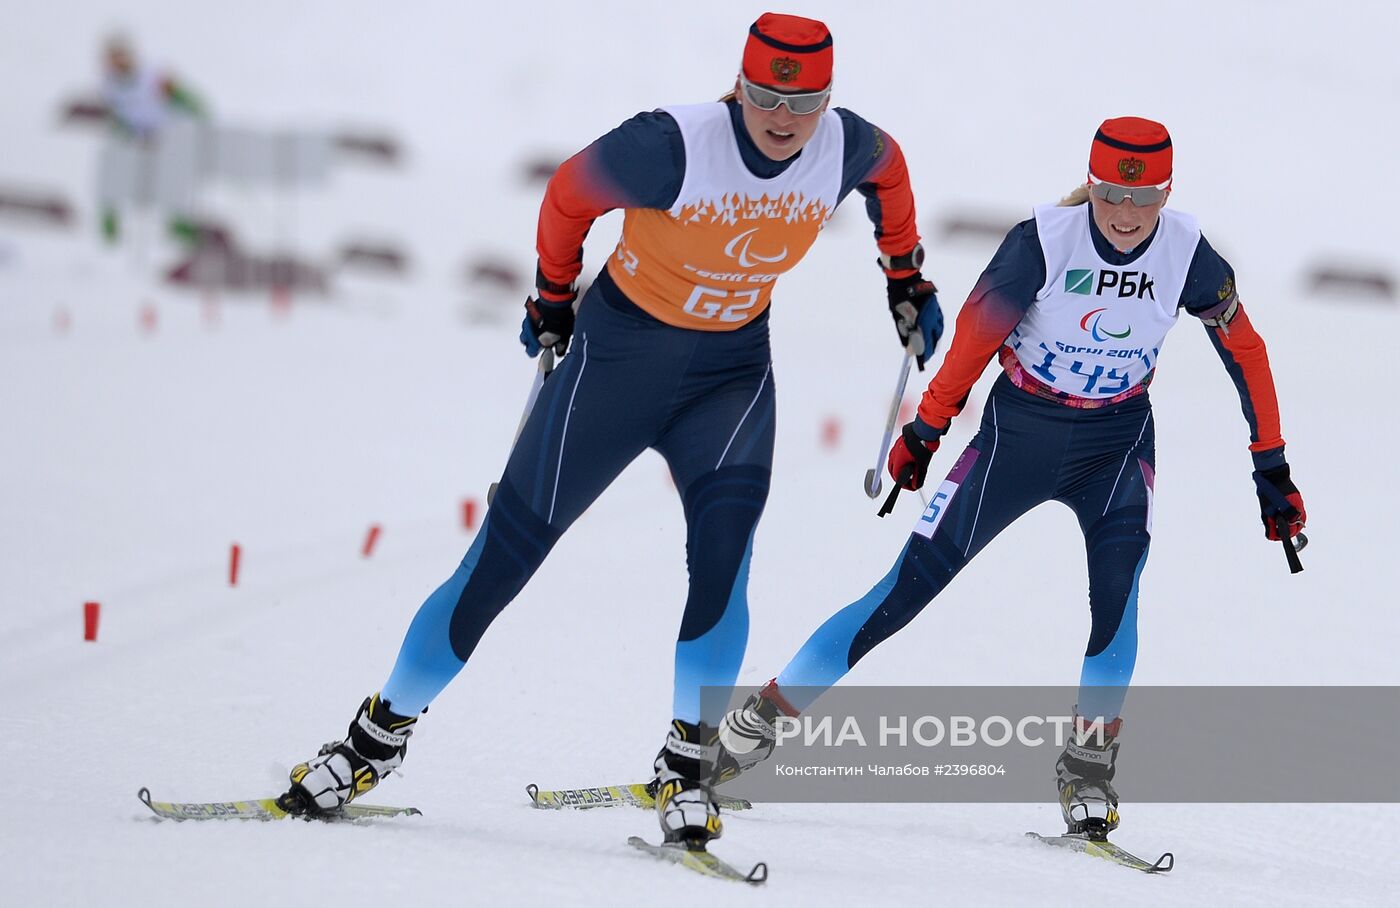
726 305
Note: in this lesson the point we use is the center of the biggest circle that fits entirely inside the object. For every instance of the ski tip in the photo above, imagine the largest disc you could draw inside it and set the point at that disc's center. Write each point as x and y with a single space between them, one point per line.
1103 848
533 791
145 795
872 484
700 860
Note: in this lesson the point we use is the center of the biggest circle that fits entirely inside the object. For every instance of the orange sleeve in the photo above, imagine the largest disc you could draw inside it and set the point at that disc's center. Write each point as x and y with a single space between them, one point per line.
639 164
1246 358
572 202
982 325
897 230
874 166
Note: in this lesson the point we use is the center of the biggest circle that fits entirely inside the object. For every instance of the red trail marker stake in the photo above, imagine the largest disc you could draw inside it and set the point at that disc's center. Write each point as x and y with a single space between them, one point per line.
831 433
469 514
90 610
210 310
234 553
281 301
370 539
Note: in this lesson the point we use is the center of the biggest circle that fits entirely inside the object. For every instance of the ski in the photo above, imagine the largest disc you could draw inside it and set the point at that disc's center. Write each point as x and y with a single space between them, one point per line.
262 809
637 795
1103 848
701 861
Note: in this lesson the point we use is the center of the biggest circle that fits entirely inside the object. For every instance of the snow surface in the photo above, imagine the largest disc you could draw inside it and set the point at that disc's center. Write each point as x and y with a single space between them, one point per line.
130 460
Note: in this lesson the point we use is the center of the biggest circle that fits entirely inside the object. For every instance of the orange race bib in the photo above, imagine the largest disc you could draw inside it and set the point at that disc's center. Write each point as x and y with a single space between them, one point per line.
709 262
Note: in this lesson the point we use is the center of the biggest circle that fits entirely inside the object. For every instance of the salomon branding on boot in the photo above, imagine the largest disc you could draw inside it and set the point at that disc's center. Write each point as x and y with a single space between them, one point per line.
747 735
685 767
1084 774
344 770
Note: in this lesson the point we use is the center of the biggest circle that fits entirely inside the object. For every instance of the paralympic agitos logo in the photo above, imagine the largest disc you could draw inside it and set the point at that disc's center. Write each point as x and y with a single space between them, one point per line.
738 248
1128 283
1090 323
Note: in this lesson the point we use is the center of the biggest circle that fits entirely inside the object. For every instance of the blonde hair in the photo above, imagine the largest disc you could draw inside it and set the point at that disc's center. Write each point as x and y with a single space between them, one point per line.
730 95
1079 195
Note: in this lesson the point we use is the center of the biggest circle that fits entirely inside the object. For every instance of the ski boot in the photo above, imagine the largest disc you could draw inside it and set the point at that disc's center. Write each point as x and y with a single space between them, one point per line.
747 735
685 768
344 770
1084 774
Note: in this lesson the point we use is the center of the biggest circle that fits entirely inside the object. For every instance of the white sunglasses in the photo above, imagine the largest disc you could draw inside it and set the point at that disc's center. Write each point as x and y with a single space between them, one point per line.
800 103
1141 196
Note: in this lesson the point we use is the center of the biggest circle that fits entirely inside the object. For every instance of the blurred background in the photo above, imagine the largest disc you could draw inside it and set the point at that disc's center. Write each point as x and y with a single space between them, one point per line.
261 268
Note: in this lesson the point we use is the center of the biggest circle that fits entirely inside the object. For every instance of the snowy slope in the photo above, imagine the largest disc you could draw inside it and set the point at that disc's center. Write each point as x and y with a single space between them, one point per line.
131 460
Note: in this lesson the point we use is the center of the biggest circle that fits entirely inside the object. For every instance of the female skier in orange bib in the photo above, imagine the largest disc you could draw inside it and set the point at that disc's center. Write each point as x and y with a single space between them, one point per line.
670 352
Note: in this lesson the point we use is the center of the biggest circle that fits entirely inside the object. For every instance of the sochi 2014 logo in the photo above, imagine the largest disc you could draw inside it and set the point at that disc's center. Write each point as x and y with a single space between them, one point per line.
1090 323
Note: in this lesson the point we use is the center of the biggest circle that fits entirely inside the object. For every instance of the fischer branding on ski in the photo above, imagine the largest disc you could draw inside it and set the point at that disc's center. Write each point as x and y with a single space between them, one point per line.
1103 848
700 861
262 809
639 794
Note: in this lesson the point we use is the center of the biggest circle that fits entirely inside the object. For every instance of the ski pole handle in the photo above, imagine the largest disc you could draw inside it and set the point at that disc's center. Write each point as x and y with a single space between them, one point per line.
873 476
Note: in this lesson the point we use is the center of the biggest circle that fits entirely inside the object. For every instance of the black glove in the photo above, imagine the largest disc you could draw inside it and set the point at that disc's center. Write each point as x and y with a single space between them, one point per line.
917 316
547 324
1280 502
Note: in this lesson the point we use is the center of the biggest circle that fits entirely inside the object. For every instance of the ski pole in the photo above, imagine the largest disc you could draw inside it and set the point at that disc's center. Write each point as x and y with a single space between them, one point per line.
1290 548
872 477
904 476
546 367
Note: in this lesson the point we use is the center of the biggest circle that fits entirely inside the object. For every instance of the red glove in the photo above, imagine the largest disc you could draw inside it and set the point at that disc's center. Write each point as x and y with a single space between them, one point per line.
913 450
1279 501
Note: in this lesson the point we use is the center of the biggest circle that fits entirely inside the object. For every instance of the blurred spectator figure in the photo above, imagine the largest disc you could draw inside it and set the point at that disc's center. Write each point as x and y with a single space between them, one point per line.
141 99
151 153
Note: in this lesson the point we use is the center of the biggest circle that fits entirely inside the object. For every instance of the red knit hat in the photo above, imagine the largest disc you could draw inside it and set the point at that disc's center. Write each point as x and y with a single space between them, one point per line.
788 53
1132 151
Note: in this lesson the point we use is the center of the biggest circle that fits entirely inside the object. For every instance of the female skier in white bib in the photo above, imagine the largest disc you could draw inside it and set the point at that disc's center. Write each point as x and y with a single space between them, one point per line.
1075 305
